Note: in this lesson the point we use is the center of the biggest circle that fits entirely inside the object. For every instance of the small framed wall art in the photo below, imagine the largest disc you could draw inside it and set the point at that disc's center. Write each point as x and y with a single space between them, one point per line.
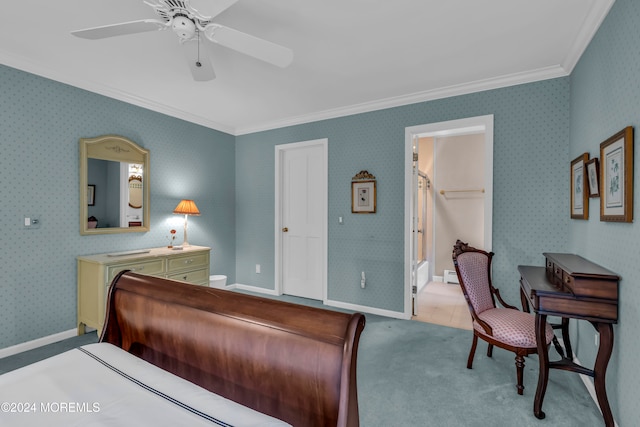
579 198
363 193
593 177
91 195
616 177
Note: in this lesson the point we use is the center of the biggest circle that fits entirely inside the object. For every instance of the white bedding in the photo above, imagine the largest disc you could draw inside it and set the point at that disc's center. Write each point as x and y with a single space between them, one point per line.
103 385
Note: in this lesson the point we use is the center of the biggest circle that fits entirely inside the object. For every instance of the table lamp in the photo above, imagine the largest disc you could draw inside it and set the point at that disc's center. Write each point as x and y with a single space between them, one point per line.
186 208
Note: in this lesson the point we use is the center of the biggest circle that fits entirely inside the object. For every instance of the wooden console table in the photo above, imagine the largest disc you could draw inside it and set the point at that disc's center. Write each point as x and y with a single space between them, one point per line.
570 286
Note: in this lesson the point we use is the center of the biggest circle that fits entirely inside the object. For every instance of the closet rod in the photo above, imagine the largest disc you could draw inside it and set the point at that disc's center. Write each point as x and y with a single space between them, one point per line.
474 190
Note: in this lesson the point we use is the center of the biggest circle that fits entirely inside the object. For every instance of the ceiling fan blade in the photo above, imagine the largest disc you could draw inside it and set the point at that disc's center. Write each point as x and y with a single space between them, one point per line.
199 61
212 9
249 45
124 28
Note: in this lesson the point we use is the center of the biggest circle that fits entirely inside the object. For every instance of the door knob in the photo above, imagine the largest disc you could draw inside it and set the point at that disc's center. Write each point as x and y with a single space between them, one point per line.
285 229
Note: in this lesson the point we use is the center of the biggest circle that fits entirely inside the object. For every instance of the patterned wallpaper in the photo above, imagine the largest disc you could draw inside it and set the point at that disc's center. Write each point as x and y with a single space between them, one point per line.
530 150
40 124
605 88
538 129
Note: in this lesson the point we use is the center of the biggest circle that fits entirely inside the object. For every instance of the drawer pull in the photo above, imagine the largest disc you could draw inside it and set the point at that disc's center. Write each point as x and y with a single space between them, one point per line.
184 277
188 261
137 269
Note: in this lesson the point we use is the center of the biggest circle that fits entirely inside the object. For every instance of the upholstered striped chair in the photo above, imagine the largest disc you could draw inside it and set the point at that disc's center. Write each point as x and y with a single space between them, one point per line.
507 327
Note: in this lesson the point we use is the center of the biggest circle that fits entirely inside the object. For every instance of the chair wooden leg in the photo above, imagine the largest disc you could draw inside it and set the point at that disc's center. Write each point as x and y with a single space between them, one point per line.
472 352
490 350
519 373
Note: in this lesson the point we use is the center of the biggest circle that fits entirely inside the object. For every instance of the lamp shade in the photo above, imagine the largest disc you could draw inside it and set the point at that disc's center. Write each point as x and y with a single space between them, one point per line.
186 207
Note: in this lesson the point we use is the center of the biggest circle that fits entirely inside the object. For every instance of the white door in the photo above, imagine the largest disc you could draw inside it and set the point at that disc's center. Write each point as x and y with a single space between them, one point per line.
414 228
302 218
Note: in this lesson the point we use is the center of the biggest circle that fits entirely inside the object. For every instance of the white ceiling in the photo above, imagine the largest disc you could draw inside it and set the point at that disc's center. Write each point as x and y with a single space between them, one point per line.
350 56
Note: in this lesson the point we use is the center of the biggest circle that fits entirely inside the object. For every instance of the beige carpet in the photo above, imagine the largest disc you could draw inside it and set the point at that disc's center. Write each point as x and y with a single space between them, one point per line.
443 304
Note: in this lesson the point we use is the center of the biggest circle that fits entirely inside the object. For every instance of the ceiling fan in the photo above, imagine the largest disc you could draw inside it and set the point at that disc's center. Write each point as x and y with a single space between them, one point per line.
188 24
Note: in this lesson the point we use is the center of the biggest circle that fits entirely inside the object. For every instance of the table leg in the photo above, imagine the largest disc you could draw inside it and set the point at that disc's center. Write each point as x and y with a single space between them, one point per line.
600 369
565 338
543 356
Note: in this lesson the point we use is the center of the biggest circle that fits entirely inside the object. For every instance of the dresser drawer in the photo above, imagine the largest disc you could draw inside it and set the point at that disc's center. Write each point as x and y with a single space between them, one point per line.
96 272
198 277
187 262
155 266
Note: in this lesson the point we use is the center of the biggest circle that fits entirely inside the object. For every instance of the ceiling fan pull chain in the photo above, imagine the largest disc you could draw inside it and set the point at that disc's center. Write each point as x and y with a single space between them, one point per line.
198 63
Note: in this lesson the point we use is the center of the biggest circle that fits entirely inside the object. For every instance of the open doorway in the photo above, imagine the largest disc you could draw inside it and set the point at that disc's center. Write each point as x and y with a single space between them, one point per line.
457 158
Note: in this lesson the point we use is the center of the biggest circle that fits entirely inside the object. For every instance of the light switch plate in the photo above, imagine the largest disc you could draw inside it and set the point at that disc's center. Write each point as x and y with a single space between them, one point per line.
31 222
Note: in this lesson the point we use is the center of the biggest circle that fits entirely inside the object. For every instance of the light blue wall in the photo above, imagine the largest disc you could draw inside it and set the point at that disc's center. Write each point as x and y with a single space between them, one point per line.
40 124
605 94
539 128
530 208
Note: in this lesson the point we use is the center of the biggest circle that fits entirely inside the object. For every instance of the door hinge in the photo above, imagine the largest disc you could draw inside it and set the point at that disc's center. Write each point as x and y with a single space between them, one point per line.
415 157
414 289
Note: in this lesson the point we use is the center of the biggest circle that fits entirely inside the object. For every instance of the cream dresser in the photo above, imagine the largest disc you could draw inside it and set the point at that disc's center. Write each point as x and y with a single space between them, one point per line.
95 273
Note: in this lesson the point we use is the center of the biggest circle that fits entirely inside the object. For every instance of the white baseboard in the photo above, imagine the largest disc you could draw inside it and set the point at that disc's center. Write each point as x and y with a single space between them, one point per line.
366 309
256 289
438 278
30 345
330 303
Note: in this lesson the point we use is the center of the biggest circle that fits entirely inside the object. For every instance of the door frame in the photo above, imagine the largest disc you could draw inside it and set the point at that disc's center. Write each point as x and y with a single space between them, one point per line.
279 152
448 128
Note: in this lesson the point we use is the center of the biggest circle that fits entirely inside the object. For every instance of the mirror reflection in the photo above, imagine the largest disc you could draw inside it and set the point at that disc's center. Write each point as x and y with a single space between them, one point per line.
114 172
135 191
117 182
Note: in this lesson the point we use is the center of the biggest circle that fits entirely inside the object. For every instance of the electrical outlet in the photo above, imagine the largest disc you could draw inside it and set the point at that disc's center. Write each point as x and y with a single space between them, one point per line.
597 339
257 268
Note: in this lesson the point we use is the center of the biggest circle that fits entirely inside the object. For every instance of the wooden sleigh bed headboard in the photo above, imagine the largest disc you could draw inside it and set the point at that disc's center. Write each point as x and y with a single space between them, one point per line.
292 362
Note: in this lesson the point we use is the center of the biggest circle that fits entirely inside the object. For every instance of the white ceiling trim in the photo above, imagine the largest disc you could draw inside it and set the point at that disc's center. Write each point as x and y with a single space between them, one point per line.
598 11
76 81
587 32
398 101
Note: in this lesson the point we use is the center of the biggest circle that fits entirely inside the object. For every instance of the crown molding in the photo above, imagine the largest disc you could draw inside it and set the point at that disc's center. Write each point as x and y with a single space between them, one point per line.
592 23
590 27
430 95
79 82
414 98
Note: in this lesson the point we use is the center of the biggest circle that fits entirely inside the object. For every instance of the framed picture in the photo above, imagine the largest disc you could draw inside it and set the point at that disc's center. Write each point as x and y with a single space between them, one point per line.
363 196
579 198
593 177
616 177
91 195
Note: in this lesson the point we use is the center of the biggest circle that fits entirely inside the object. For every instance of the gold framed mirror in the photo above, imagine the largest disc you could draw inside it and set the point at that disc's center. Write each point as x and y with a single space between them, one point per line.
114 186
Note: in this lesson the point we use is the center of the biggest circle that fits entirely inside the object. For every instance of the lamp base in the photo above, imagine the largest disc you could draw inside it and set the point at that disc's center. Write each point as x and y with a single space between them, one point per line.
185 242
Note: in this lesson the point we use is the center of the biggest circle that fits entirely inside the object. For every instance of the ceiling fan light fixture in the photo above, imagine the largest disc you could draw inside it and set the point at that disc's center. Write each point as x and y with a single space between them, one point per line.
184 27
